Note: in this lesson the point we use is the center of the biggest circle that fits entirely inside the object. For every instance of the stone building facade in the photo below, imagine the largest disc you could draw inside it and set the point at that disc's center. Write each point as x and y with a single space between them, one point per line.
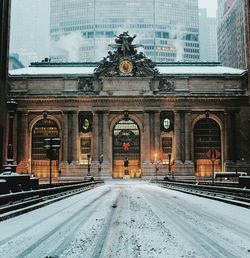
62 98
177 117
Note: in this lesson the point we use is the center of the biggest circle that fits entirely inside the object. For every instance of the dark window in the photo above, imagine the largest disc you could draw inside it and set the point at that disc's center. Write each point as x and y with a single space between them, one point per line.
207 135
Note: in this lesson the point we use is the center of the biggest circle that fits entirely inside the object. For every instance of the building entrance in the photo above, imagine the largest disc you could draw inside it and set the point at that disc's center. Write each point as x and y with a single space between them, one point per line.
207 136
126 149
44 128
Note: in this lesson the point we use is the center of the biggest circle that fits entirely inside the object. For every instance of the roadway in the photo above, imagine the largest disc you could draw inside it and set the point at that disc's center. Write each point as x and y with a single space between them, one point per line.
129 219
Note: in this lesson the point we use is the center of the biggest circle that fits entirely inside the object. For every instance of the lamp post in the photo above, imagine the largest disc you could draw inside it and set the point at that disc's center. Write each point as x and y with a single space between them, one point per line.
51 144
100 165
156 165
88 156
169 164
12 107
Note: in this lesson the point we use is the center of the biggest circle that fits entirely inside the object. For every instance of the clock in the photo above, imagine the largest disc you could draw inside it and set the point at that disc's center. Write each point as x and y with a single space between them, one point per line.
126 66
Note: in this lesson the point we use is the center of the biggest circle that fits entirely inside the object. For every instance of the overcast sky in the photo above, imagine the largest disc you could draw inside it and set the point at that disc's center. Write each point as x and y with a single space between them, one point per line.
211 6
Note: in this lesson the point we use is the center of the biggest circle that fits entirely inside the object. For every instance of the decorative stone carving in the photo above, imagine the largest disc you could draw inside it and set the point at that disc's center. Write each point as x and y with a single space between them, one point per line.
166 85
86 85
125 61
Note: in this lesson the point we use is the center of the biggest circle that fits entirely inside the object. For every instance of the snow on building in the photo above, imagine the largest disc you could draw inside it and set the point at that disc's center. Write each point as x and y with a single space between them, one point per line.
127 108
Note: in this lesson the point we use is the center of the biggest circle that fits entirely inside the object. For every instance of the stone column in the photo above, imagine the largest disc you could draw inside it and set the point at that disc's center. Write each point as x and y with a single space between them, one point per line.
146 150
177 135
236 132
75 143
25 131
187 137
157 131
151 134
228 137
65 138
95 138
107 148
146 145
21 137
106 138
100 133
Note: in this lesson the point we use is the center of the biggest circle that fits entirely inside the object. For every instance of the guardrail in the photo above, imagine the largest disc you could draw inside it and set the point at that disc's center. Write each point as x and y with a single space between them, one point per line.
232 195
60 184
15 197
216 188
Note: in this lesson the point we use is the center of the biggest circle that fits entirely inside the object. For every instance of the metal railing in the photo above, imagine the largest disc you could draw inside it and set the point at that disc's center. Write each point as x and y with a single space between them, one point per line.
19 200
233 195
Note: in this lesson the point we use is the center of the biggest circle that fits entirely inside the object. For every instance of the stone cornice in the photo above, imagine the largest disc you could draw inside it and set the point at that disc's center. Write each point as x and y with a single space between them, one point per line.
131 102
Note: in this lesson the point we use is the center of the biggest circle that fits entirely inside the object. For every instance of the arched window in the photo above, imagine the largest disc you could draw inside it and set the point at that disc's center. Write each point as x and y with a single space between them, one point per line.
126 146
42 129
207 137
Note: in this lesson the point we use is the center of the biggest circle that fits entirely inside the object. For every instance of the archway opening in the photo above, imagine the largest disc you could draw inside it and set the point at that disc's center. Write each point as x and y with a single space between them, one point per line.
42 129
126 149
207 147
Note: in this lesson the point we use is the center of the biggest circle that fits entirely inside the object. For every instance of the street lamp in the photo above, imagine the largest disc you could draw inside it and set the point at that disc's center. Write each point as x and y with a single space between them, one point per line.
51 145
88 156
169 164
12 107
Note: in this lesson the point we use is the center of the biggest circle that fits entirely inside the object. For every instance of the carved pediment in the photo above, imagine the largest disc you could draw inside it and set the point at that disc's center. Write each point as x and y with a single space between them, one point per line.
125 60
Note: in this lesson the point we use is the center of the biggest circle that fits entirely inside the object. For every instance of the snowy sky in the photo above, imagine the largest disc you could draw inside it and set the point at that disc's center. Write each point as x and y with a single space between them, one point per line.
211 6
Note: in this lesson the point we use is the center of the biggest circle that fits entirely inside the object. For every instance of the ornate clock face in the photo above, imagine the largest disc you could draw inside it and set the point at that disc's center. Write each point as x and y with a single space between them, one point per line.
126 66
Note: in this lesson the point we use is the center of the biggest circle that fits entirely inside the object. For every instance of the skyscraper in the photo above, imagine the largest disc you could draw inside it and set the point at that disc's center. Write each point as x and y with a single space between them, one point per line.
227 5
232 36
220 9
81 29
207 36
29 30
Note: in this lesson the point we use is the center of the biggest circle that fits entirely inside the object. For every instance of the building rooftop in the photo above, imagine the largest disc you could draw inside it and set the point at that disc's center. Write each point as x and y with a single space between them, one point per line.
87 69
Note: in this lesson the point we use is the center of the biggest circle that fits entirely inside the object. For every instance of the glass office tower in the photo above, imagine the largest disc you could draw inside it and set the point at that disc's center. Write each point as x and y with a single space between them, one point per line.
82 29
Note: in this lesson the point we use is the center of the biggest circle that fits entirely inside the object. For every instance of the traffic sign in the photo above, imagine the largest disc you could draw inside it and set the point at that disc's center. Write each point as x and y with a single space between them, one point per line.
213 154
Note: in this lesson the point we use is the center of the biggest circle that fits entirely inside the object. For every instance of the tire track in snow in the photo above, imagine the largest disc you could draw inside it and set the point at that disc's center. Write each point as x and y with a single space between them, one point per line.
221 221
151 238
105 231
69 222
72 233
207 246
41 221
215 223
117 240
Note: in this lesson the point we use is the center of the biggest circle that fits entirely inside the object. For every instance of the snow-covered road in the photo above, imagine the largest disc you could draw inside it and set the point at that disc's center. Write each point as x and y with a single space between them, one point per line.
129 219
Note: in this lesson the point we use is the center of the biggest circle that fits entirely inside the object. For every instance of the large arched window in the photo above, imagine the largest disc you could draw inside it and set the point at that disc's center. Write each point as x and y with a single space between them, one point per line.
126 145
207 137
42 129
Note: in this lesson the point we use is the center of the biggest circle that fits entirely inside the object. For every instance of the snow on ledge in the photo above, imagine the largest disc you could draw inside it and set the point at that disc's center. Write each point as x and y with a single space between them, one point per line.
177 70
